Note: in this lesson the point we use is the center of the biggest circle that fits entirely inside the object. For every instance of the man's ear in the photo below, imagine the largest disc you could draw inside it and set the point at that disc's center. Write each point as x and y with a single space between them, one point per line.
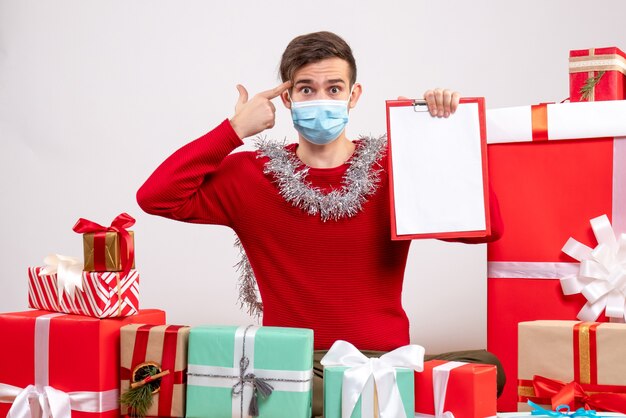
356 94
284 96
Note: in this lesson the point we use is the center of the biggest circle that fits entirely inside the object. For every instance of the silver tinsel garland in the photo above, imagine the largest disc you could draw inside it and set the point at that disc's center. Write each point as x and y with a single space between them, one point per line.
359 181
248 292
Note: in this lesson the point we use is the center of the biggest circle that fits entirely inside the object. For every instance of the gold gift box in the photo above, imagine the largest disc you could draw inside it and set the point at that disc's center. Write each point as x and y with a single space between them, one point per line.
112 252
155 341
547 348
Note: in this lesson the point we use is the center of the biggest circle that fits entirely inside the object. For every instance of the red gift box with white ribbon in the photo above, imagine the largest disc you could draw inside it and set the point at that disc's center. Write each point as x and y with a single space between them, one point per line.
597 74
554 168
454 388
53 364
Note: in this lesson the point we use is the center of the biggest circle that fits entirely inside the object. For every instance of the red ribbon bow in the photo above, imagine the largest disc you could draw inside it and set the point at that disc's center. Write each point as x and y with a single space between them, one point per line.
119 225
574 395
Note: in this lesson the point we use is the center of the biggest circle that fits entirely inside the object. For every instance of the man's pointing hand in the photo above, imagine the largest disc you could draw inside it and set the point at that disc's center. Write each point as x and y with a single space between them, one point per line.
257 114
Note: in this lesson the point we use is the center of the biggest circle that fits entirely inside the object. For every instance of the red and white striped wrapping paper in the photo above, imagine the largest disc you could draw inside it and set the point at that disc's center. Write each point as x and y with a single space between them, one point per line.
103 294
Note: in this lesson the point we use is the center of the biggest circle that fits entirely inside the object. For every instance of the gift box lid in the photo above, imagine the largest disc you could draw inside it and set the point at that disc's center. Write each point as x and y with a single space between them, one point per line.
556 121
597 59
608 50
78 346
275 348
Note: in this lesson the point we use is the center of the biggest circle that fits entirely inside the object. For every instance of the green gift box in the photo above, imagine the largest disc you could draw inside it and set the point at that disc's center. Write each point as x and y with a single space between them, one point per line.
233 369
359 387
333 382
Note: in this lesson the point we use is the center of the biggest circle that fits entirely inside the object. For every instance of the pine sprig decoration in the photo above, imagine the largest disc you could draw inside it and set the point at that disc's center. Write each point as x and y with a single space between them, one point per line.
139 398
587 89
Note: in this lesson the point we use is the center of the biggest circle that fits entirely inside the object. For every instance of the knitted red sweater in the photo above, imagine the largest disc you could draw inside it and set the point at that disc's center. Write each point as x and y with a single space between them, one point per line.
343 279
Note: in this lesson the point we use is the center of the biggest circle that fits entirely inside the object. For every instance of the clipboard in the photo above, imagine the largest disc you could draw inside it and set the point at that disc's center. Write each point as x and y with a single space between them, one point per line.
437 171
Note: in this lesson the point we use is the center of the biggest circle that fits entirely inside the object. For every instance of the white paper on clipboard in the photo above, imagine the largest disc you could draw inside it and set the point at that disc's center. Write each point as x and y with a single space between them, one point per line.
437 172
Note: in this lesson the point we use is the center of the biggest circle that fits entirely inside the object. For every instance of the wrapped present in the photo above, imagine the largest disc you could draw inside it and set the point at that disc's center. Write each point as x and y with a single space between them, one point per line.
359 387
64 365
249 370
465 390
563 412
578 364
108 248
597 74
154 356
553 168
66 288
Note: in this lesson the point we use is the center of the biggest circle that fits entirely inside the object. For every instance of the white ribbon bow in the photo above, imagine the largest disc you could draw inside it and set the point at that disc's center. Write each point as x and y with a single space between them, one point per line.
69 271
382 369
48 402
602 274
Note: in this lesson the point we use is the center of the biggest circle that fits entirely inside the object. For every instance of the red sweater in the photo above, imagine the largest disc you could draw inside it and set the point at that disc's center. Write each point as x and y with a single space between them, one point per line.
343 279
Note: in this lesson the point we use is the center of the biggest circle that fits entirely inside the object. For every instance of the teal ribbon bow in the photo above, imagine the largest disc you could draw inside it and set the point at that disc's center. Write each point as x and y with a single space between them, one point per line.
562 411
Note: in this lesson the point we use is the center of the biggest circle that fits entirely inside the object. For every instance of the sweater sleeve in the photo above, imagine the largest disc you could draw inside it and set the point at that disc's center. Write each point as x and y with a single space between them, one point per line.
186 186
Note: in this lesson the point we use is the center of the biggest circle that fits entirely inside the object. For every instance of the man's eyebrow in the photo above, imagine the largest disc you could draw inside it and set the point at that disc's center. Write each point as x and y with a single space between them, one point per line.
331 81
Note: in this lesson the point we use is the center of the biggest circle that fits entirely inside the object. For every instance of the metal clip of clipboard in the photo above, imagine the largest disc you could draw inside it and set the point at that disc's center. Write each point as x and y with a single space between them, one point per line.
419 105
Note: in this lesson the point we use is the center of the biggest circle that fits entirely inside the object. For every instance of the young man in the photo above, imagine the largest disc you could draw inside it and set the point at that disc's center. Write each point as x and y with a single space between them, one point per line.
313 217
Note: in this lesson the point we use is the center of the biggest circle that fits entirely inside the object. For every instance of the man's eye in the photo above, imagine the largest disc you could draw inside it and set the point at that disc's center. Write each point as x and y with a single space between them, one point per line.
306 90
334 90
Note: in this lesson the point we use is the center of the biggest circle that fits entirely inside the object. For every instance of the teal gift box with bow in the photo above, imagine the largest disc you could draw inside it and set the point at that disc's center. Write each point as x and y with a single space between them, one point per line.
249 371
359 387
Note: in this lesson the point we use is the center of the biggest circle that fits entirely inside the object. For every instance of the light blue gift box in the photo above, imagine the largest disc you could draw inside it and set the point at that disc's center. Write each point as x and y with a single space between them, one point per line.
333 383
280 357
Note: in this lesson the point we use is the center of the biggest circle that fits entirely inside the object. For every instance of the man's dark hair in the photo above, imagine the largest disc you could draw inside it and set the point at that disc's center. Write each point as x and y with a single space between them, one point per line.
314 47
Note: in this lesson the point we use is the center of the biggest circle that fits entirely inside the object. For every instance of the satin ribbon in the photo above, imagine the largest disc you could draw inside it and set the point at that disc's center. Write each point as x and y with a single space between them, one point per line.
69 271
40 400
381 370
441 375
602 274
539 117
244 378
119 225
574 395
531 270
561 411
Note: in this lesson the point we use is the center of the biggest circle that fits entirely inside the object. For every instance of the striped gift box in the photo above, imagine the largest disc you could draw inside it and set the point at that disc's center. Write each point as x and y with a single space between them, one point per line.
103 294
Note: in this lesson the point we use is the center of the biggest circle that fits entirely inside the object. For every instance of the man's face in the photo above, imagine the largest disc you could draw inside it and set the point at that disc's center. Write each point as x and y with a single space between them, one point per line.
328 79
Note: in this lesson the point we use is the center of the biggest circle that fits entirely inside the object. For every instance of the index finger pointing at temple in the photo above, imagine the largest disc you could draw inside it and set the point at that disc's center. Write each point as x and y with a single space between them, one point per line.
276 91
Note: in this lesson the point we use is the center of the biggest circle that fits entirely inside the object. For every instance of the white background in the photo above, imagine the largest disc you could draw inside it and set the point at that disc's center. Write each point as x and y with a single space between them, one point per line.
95 94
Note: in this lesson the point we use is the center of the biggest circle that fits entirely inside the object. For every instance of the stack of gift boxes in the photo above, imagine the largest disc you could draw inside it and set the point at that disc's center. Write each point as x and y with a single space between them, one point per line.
88 350
62 359
557 277
554 168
